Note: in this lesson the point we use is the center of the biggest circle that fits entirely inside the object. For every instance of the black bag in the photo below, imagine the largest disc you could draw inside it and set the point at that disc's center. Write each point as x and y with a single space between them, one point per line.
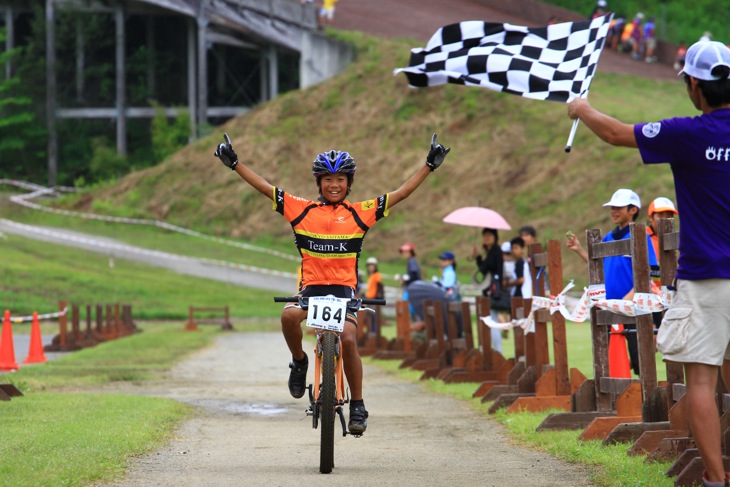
499 298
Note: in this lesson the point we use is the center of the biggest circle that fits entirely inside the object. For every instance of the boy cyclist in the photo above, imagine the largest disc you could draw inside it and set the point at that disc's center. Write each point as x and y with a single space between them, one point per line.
329 233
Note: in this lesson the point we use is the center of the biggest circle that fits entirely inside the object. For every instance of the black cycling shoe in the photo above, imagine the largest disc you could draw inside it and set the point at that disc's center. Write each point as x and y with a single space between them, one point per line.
358 419
298 377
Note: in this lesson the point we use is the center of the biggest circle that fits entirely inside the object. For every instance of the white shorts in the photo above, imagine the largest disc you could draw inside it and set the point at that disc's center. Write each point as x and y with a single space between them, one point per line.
696 327
328 13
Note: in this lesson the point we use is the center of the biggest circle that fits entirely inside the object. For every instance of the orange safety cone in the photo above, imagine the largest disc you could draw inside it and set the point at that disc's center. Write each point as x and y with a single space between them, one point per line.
7 349
618 356
35 350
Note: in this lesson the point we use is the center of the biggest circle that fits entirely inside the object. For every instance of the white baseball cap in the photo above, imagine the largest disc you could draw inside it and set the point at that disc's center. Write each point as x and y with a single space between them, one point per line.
506 247
703 57
372 260
624 197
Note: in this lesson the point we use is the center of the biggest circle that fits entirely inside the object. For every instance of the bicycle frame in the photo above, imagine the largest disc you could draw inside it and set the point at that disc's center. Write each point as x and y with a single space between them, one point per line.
315 389
341 395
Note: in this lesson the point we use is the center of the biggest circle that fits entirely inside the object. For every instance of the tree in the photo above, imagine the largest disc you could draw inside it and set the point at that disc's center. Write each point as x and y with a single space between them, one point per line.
22 147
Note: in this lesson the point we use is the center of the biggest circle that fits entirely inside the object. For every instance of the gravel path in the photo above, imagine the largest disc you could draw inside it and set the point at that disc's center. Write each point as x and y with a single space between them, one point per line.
249 431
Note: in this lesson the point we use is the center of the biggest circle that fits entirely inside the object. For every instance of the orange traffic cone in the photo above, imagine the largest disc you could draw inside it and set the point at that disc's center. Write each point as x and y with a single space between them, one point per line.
618 355
35 350
7 349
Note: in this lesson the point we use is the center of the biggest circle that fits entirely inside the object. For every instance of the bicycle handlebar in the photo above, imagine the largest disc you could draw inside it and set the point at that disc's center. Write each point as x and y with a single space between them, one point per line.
354 302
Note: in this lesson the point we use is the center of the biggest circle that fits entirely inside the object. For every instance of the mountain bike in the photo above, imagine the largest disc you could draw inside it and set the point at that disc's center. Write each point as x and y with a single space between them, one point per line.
328 395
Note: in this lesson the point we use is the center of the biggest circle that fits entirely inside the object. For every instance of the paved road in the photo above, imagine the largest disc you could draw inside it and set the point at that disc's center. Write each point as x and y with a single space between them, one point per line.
176 263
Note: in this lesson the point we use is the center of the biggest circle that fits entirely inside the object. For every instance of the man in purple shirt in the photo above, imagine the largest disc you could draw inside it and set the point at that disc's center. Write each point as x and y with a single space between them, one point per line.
696 328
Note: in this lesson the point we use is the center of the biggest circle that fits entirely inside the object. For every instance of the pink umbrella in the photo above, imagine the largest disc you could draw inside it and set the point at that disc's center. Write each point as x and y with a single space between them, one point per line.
475 216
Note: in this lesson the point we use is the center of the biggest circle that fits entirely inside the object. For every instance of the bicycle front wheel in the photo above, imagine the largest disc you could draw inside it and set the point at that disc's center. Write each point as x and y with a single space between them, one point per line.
327 400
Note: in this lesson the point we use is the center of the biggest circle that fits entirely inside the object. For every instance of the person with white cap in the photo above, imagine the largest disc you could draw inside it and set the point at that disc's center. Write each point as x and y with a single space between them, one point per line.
617 271
696 327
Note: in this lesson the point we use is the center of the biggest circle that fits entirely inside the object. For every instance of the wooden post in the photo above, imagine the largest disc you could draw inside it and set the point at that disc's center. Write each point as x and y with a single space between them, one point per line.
99 320
191 325
542 350
403 324
599 334
75 325
644 323
560 344
62 325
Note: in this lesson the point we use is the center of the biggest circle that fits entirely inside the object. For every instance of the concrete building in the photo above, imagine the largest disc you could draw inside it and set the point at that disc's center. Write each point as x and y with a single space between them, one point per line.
216 58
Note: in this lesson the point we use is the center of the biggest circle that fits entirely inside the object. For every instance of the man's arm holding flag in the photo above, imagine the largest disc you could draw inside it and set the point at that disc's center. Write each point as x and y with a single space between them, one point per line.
607 128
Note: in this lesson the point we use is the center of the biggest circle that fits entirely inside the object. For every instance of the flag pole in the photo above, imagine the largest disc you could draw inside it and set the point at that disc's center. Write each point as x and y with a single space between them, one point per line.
573 130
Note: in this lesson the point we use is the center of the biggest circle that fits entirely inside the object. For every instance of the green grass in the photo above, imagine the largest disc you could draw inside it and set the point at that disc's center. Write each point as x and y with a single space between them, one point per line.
36 275
134 358
612 466
52 439
51 436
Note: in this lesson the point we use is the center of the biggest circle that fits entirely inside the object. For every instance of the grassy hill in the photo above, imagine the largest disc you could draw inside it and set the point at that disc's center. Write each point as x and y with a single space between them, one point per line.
507 154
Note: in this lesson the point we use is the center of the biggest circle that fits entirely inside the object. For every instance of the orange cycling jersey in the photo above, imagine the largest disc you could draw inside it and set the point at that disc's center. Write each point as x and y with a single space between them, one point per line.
329 236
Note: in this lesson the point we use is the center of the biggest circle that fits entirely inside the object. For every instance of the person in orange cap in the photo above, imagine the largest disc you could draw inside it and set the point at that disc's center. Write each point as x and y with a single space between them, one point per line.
659 208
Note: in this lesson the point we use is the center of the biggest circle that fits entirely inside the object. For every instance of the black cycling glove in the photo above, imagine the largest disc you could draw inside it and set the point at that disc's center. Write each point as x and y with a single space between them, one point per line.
437 154
226 153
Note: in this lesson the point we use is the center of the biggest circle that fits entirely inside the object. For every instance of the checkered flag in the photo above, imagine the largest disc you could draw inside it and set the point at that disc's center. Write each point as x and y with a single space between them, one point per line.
556 62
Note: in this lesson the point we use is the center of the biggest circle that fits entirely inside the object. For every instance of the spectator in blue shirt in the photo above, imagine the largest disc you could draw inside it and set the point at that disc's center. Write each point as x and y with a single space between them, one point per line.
617 271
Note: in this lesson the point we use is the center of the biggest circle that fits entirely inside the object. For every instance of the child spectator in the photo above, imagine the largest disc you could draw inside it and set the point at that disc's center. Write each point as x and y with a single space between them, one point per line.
617 271
650 40
659 208
448 276
522 282
615 29
327 13
374 287
637 36
680 55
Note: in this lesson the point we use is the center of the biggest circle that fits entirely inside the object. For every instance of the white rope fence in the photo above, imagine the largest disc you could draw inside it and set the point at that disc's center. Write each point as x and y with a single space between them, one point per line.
593 296
45 316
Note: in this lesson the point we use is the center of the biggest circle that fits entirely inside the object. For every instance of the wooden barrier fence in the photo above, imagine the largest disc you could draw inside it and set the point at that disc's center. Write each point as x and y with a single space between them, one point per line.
116 322
223 320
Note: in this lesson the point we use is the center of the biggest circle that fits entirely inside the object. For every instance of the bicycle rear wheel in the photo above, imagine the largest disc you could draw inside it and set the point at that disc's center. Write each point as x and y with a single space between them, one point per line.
327 400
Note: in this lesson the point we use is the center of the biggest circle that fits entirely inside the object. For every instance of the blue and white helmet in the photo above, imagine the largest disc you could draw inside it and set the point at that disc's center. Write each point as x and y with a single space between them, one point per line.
332 162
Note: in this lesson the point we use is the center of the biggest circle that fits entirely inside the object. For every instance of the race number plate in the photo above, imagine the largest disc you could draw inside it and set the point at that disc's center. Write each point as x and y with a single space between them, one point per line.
327 313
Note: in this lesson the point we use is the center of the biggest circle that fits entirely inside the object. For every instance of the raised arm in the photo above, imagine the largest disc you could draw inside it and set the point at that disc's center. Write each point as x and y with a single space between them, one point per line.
435 157
229 158
607 128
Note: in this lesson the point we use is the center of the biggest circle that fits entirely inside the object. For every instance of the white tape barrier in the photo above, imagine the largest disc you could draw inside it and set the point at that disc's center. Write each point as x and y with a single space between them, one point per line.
46 316
37 191
593 296
154 253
